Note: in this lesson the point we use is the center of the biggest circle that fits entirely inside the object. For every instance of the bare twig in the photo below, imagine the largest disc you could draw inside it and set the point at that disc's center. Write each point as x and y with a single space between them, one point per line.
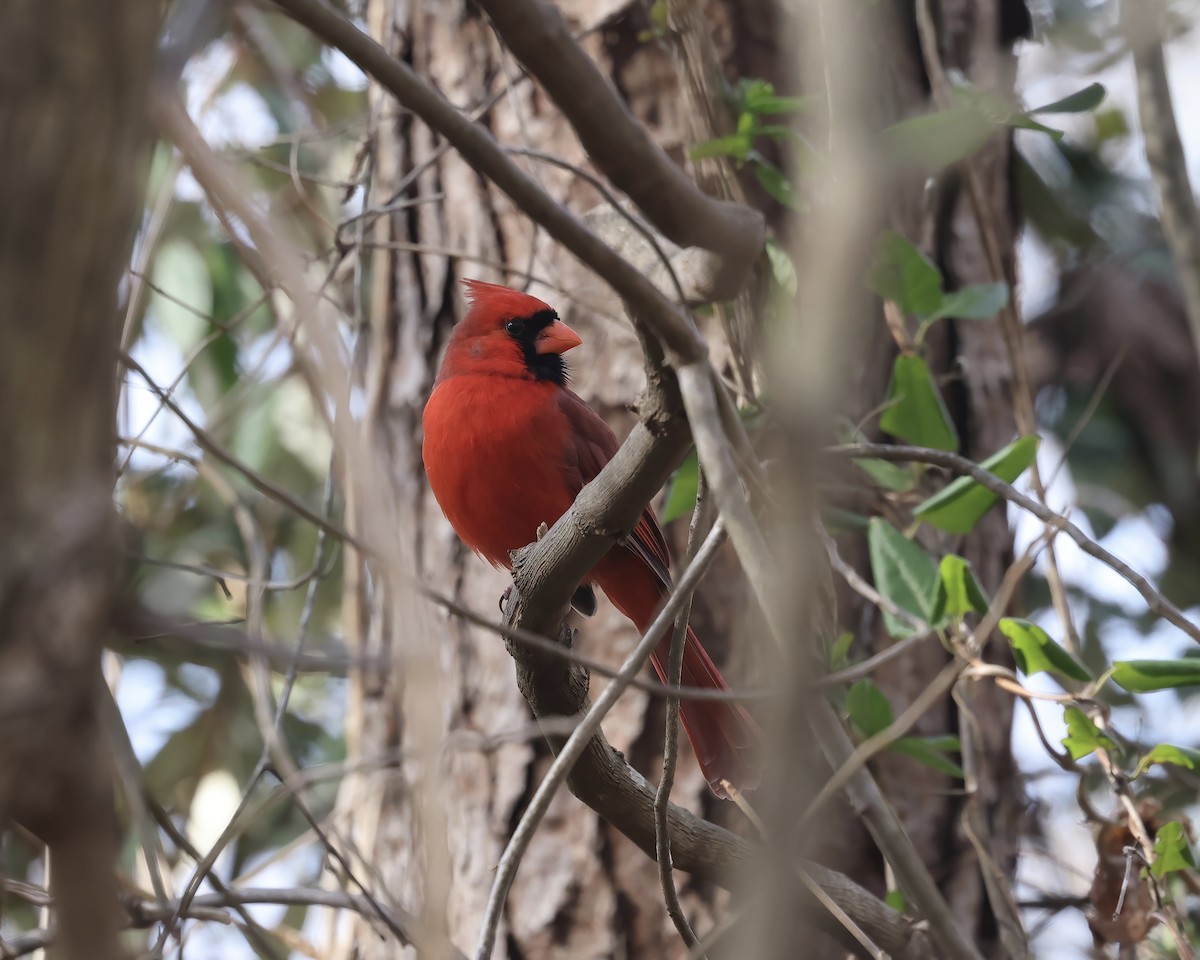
961 465
482 152
257 480
580 738
662 834
622 148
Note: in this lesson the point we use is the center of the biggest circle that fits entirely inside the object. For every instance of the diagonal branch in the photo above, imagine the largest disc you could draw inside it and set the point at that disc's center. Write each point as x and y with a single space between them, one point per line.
1155 600
581 736
619 145
479 149
547 573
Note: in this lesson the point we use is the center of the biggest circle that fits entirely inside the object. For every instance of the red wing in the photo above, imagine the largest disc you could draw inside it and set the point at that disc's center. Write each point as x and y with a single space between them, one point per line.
594 444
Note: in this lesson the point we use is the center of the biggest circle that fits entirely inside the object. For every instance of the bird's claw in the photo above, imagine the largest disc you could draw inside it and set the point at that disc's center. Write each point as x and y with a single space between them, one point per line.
504 597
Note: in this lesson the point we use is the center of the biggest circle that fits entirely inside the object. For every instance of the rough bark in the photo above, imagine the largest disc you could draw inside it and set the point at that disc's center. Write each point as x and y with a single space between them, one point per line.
73 138
583 889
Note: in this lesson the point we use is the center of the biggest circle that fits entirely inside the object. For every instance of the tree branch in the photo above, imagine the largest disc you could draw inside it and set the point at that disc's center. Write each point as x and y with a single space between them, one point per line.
580 737
548 572
535 31
479 149
968 468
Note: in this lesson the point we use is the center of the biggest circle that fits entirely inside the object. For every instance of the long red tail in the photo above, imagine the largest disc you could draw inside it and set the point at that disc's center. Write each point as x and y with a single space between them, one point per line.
723 735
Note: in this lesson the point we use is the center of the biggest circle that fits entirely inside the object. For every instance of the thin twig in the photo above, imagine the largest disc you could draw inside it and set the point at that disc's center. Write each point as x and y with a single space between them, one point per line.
536 810
479 149
968 468
662 835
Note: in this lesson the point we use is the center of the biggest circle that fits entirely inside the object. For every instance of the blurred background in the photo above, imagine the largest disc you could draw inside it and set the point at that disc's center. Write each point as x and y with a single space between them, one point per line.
368 194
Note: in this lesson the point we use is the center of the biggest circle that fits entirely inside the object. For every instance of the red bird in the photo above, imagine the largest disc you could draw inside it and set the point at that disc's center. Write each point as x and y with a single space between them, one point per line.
508 446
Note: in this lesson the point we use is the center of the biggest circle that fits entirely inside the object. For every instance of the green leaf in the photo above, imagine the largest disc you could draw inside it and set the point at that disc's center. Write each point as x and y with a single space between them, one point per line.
1081 101
868 708
903 572
895 900
681 495
958 592
782 268
1026 122
1110 125
903 274
936 140
931 752
977 301
738 146
1146 676
771 179
1035 652
759 97
1083 737
891 476
958 506
1165 753
1171 850
916 411
840 651
838 520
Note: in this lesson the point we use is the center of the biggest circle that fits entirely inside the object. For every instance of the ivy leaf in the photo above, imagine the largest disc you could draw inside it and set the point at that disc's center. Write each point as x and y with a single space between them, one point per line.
1171 850
936 140
891 476
916 412
868 708
1083 737
958 506
977 301
1165 753
772 179
958 592
1146 676
840 651
838 520
759 97
782 268
903 572
737 146
1025 122
903 274
681 495
1035 652
931 751
895 900
1081 101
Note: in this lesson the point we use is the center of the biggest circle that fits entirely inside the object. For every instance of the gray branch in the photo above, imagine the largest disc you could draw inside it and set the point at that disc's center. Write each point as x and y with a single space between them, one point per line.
619 145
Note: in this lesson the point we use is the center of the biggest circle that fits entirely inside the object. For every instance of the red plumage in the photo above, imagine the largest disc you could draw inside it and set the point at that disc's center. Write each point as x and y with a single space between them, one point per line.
508 446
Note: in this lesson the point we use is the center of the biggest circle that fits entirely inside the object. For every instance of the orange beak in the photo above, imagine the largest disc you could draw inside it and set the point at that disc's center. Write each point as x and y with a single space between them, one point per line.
556 338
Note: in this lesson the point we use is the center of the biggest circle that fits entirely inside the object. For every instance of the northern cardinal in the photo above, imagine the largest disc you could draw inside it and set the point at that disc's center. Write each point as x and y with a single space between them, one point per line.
508 446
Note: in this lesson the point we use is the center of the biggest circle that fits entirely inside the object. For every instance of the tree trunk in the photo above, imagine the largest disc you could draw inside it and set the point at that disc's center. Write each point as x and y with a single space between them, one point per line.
583 890
73 138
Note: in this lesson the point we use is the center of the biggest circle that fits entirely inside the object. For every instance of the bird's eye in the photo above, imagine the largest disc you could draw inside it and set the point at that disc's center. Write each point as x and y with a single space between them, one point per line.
515 327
